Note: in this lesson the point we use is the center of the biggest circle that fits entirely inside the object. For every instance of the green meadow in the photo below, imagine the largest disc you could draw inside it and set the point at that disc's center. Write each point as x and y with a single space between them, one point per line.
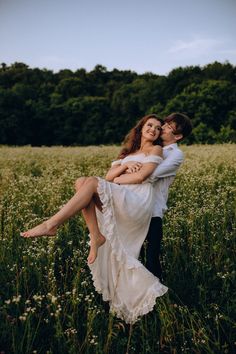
47 300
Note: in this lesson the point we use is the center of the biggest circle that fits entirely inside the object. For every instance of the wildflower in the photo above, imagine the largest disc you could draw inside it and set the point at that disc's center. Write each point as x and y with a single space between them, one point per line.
22 318
16 299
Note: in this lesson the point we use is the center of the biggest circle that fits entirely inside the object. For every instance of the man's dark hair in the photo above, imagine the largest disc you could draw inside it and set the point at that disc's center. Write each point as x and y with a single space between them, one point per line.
182 122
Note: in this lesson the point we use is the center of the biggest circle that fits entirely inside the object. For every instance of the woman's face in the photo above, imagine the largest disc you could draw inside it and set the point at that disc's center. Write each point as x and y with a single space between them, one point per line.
151 129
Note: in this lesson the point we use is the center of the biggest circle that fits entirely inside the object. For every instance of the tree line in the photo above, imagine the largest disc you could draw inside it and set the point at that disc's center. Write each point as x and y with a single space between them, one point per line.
40 107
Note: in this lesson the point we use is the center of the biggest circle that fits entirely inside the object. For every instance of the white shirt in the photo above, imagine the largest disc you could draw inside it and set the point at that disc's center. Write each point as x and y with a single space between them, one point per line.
165 174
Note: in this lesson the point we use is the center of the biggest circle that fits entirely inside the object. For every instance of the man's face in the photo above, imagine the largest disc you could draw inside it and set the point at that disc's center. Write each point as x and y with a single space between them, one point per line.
168 134
168 131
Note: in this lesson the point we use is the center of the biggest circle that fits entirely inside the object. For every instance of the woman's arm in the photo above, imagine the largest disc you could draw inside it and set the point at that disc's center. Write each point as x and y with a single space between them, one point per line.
117 170
136 177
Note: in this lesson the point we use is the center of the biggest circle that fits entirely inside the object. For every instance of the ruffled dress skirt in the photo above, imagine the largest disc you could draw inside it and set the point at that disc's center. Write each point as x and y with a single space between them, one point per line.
117 273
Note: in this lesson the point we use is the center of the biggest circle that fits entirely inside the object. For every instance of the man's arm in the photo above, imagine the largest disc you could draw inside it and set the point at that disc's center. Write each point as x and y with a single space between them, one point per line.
170 165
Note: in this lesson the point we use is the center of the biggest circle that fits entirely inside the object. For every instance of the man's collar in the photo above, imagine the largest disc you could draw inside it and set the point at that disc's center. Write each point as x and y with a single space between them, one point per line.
170 146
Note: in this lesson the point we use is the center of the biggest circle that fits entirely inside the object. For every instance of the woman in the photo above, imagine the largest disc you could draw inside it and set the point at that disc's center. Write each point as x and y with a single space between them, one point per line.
124 204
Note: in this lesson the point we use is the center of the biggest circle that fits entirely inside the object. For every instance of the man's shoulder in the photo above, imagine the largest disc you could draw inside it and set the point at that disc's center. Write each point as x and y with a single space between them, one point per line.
174 150
179 152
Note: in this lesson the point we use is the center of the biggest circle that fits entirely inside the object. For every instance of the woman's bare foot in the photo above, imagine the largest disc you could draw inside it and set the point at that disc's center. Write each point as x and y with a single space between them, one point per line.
95 243
40 230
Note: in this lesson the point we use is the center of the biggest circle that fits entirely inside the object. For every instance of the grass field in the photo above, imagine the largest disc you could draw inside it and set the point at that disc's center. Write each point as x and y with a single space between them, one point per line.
47 300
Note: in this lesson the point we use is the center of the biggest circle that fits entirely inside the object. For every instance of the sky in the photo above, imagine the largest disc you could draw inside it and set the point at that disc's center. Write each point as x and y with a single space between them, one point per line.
139 35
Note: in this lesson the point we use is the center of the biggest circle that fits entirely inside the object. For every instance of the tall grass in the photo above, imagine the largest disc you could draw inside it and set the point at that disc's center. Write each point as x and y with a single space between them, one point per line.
47 300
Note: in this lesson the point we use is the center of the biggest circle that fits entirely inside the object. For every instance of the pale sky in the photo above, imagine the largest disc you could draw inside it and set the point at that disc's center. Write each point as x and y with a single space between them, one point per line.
139 35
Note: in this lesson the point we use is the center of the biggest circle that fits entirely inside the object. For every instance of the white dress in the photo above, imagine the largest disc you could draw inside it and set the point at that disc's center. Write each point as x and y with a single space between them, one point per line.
117 273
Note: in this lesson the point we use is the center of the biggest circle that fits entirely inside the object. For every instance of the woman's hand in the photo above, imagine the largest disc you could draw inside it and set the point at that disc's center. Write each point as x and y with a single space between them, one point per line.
116 180
133 167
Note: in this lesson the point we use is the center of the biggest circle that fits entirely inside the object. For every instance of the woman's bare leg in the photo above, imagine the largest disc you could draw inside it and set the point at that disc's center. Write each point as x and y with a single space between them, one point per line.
89 214
78 202
96 238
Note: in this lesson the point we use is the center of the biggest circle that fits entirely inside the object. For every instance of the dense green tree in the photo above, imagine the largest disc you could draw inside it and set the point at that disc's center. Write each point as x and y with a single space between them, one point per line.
71 87
218 71
226 135
125 106
64 74
202 134
179 78
207 102
231 119
13 119
80 121
42 107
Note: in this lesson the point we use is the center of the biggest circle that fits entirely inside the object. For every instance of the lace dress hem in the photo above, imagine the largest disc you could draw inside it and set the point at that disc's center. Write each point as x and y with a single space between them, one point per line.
117 249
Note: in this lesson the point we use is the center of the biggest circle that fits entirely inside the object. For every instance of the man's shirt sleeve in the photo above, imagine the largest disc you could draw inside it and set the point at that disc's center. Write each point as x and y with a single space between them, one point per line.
170 165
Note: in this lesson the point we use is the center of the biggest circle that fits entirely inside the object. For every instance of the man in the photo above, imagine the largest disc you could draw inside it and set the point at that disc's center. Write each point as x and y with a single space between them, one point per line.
176 127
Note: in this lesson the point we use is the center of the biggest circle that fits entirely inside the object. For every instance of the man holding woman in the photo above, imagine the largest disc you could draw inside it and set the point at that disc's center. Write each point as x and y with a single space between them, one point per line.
176 127
119 222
